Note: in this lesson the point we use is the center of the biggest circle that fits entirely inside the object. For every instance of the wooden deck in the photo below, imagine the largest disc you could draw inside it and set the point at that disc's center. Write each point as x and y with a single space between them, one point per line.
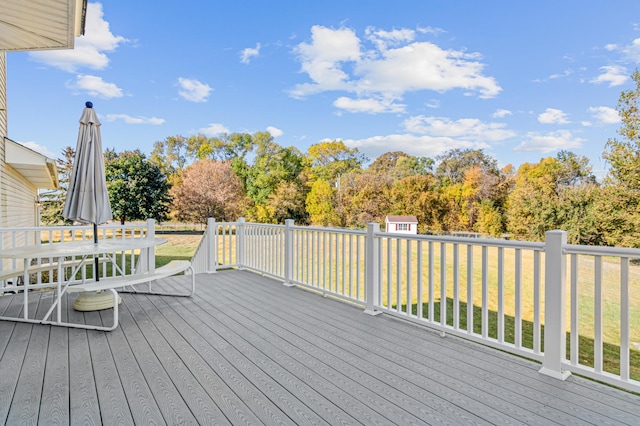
247 350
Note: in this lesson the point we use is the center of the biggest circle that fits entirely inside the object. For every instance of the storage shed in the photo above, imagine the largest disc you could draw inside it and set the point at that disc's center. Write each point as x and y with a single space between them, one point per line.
401 224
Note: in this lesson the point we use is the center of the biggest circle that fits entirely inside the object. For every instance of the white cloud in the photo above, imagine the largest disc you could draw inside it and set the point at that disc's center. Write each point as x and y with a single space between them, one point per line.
336 60
549 142
41 149
275 132
632 51
566 73
423 145
134 120
95 86
372 106
500 113
383 39
433 103
193 90
465 128
431 30
614 75
248 53
605 115
553 116
90 49
321 60
214 129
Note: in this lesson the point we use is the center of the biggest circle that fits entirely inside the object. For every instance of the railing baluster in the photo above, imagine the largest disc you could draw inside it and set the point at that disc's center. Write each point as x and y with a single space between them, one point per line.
389 278
419 278
409 283
470 325
456 287
536 303
443 284
575 338
485 292
501 294
431 283
624 319
518 299
597 315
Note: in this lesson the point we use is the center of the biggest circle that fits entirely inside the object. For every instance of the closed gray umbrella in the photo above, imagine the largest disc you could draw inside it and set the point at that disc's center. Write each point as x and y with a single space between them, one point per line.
87 198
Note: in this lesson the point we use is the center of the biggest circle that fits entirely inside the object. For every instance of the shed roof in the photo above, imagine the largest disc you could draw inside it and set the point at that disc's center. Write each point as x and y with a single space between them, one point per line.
402 219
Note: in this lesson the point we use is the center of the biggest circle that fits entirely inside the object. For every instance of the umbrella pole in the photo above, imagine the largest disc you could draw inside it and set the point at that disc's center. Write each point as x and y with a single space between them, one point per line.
95 258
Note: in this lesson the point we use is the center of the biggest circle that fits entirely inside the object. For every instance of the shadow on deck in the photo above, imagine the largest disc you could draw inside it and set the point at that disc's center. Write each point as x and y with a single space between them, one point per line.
247 350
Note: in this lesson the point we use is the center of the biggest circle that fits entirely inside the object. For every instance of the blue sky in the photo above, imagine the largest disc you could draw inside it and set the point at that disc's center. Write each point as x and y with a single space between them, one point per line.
521 80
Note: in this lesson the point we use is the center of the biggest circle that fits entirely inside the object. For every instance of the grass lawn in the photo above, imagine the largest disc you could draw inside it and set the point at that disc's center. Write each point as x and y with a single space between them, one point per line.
179 247
611 353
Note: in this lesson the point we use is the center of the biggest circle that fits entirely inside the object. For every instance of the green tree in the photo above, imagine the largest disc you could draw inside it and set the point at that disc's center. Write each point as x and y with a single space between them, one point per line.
138 189
619 206
52 202
170 155
272 165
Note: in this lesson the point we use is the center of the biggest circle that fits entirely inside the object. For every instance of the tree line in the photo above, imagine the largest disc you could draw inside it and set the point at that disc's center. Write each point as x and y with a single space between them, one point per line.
251 175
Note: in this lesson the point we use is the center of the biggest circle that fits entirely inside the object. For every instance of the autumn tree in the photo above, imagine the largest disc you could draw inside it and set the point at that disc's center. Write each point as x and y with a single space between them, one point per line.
417 195
364 197
398 165
328 160
209 189
321 202
138 189
556 193
453 164
287 201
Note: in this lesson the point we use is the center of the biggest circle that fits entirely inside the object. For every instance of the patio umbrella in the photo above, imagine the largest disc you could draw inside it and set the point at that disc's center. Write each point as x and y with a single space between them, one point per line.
87 198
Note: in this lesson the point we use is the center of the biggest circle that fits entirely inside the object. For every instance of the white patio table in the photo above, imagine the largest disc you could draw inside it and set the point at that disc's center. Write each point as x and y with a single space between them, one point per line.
78 249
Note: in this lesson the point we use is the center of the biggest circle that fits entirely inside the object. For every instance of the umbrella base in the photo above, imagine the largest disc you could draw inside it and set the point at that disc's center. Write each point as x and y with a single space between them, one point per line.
94 301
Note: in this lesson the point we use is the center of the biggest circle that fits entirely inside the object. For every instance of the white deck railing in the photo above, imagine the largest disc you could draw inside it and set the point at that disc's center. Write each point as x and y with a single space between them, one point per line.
516 296
16 237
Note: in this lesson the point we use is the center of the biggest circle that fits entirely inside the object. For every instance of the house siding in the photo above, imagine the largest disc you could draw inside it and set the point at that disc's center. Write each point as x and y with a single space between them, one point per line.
17 196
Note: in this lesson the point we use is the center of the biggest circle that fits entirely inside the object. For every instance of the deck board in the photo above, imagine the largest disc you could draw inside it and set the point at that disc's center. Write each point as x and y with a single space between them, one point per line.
247 350
493 381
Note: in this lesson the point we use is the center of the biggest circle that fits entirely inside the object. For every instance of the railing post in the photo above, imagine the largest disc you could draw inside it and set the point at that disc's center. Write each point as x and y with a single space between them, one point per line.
371 278
151 251
240 243
555 330
211 235
288 253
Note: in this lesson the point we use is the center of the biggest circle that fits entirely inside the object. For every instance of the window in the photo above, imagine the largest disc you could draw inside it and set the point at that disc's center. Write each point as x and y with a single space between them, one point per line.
403 227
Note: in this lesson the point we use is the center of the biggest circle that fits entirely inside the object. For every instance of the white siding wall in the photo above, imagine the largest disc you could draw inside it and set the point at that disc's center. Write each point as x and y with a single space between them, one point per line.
3 99
17 195
3 117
